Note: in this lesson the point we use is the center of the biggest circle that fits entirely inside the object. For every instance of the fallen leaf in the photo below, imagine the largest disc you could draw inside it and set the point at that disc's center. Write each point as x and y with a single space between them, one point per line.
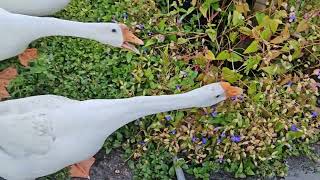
5 77
303 26
27 56
285 35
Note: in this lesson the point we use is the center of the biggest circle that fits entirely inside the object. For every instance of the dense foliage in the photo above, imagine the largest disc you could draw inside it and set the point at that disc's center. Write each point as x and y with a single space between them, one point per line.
270 54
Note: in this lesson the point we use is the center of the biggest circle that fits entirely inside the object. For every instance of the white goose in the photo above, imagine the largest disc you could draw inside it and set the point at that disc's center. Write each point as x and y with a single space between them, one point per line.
35 131
18 31
34 7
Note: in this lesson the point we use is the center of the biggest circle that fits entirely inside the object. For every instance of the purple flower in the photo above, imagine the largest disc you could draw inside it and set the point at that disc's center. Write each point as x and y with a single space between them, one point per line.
289 84
219 140
223 135
318 77
178 87
294 128
314 114
150 33
234 98
204 140
235 139
213 107
214 114
173 132
140 26
195 139
292 17
216 129
142 143
168 117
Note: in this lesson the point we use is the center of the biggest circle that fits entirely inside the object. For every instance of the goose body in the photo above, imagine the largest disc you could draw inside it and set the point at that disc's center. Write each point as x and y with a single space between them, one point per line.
41 135
18 31
34 7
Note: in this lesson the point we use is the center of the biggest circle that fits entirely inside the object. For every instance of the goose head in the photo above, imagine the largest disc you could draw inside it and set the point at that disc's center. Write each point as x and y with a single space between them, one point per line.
121 36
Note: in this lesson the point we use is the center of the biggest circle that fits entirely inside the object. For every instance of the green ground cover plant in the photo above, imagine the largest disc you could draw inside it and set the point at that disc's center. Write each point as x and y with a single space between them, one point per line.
270 54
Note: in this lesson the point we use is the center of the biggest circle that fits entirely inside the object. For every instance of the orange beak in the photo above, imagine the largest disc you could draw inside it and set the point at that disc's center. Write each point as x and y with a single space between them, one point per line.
231 90
129 37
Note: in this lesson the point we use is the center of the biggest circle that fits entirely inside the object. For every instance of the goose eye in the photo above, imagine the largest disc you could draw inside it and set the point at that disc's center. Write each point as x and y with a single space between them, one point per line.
217 96
114 30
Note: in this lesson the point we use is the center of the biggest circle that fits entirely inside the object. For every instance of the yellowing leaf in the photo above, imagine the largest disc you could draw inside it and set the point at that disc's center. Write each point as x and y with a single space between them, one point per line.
245 31
266 34
253 47
230 75
210 55
182 40
303 26
243 8
285 35
274 69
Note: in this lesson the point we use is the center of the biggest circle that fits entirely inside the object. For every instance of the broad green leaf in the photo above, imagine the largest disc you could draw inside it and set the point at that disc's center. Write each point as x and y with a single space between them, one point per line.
234 57
245 31
182 40
279 126
260 17
273 24
252 63
274 69
230 75
266 34
252 89
253 47
150 42
212 34
249 171
233 36
237 19
224 55
295 135
204 8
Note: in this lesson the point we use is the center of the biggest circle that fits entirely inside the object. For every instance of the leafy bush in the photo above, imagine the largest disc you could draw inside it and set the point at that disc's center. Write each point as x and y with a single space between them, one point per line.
271 55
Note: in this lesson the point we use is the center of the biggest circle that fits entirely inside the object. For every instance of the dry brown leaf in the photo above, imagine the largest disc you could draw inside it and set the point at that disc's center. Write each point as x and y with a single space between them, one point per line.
5 77
303 26
27 56
285 35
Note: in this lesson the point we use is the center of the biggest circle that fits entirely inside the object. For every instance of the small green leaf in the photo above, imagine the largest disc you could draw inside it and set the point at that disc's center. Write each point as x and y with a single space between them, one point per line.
253 47
212 34
237 19
234 57
230 75
224 55
249 171
260 17
245 31
182 41
233 36
150 42
266 34
274 69
252 62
